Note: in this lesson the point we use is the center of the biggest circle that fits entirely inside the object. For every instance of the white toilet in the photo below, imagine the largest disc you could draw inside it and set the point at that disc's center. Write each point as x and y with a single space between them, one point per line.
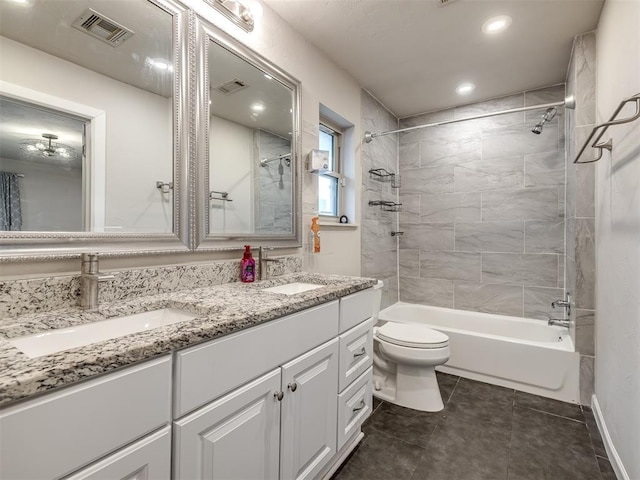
405 357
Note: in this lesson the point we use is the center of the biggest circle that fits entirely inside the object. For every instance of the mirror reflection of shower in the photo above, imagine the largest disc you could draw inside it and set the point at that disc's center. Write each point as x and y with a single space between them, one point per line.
280 158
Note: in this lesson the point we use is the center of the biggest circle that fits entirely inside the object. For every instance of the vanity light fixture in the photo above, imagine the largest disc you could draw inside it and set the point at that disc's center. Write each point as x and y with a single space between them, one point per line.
465 88
159 64
257 107
234 11
48 148
496 24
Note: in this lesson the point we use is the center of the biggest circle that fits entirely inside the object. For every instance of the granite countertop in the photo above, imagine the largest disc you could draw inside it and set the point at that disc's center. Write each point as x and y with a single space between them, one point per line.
220 310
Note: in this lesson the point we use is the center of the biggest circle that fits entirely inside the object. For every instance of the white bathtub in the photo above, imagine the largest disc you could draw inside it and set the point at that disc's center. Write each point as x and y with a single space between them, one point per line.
527 355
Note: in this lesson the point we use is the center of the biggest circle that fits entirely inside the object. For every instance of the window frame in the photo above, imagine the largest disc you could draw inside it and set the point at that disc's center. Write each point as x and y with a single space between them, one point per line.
337 133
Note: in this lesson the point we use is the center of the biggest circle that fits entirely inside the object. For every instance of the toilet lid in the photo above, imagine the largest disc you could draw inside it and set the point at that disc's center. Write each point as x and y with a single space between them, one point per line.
412 335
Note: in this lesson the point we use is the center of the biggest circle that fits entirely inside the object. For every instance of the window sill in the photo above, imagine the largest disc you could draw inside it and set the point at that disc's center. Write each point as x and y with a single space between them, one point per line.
337 225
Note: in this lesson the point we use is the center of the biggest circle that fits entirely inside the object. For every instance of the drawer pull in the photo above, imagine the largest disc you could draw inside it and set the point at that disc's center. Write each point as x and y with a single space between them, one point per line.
292 386
360 353
359 407
279 395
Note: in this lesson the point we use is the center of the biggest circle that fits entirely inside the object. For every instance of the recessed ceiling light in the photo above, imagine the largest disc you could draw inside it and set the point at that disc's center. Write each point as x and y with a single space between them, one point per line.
496 24
257 107
465 88
22 2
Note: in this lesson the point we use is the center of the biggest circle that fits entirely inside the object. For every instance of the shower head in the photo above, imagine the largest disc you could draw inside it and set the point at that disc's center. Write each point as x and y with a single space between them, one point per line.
547 117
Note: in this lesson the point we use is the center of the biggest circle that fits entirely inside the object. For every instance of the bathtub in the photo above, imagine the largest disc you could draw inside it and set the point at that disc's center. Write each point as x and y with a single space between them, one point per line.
527 355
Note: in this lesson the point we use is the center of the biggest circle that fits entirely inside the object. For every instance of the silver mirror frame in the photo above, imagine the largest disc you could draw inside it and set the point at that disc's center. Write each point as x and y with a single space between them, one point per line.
33 246
203 241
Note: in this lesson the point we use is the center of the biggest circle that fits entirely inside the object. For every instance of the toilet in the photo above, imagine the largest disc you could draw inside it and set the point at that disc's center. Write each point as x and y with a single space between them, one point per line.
404 362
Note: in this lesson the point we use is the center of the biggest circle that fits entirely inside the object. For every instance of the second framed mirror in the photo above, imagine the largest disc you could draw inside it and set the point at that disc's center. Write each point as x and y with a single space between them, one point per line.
248 113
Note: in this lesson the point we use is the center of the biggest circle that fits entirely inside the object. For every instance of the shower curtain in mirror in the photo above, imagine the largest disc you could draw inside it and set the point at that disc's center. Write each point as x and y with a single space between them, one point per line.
10 212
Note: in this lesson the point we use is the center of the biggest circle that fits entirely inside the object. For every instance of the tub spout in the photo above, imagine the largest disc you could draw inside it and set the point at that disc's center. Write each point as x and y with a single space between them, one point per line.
561 322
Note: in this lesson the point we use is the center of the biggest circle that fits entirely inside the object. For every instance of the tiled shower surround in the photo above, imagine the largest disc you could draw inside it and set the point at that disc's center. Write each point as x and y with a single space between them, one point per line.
483 208
379 247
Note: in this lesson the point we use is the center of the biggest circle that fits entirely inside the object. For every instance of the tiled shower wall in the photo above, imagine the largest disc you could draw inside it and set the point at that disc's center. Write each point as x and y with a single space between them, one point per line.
379 247
483 208
580 229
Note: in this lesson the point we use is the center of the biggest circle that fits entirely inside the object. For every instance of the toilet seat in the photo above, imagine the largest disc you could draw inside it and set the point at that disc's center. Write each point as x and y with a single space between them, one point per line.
412 335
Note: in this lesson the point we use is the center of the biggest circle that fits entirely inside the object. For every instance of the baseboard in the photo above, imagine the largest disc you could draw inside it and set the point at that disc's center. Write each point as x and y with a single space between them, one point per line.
614 458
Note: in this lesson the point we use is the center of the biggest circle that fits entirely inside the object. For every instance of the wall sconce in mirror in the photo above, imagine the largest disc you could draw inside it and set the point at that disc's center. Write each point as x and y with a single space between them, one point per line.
234 11
164 187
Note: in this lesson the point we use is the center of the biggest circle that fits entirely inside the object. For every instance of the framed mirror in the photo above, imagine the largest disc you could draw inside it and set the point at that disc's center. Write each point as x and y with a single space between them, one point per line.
248 188
93 142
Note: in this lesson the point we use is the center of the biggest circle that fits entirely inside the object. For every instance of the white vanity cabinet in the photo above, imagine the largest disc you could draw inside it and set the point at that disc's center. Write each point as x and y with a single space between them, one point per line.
57 434
281 425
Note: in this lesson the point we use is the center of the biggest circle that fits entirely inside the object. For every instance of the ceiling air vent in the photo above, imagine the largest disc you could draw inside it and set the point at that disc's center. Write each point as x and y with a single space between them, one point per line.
102 28
233 86
444 3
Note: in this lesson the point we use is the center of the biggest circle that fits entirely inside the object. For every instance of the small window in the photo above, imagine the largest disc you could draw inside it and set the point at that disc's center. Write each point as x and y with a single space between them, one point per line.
329 182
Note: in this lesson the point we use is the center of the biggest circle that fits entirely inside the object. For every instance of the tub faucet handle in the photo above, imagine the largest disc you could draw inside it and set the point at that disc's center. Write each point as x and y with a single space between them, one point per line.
563 303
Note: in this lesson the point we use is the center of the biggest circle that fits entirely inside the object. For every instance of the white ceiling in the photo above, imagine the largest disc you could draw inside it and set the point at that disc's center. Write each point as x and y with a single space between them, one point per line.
411 54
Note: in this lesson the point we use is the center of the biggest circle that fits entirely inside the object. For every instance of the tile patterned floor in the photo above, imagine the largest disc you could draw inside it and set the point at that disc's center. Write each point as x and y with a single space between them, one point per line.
485 432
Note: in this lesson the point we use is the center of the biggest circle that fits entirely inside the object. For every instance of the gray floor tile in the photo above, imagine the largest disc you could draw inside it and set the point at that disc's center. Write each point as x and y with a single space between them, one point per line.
596 438
462 450
478 401
606 470
410 426
447 383
548 405
380 457
546 447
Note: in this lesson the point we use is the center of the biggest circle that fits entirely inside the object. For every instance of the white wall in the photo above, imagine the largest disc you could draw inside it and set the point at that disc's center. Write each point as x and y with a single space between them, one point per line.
231 170
50 196
617 368
139 133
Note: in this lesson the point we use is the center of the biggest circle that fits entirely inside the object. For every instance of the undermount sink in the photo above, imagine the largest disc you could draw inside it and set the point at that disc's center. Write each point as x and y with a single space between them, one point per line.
61 339
292 288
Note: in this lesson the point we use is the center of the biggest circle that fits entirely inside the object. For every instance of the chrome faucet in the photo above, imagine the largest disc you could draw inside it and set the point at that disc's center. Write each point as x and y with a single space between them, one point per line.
566 304
263 259
561 322
90 278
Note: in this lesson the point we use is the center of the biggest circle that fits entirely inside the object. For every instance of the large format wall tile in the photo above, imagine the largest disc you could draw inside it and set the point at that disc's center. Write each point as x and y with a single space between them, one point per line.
538 270
495 174
427 291
585 263
585 64
537 302
544 237
488 298
420 181
427 236
450 207
542 169
524 204
517 140
410 212
450 265
409 155
409 261
450 150
490 237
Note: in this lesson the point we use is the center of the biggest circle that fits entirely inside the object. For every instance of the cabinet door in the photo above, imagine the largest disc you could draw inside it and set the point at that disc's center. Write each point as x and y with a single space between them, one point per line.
234 438
147 459
309 412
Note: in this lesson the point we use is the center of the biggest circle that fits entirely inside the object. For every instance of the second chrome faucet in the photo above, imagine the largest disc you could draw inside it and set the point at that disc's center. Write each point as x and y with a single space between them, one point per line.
566 304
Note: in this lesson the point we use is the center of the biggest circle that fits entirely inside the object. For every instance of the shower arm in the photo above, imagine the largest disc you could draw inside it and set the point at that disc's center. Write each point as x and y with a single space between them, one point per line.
568 102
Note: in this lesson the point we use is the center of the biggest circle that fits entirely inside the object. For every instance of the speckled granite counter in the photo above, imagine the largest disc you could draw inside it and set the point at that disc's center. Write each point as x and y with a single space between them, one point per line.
221 310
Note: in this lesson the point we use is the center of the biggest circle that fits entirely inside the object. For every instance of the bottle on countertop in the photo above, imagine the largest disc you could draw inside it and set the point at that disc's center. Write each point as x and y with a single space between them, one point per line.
247 266
315 235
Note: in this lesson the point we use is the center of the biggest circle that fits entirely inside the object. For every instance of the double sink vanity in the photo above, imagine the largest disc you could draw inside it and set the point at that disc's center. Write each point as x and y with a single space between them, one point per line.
245 381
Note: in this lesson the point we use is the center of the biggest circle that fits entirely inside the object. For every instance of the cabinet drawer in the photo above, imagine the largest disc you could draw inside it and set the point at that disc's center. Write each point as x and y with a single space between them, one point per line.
63 431
149 458
354 406
355 308
356 353
207 372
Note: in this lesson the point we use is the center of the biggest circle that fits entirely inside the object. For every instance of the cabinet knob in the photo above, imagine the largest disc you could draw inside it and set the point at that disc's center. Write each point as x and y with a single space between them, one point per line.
359 407
293 386
279 395
360 353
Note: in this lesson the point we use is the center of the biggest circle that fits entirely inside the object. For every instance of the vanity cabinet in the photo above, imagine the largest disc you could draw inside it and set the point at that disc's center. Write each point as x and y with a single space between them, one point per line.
281 425
57 434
